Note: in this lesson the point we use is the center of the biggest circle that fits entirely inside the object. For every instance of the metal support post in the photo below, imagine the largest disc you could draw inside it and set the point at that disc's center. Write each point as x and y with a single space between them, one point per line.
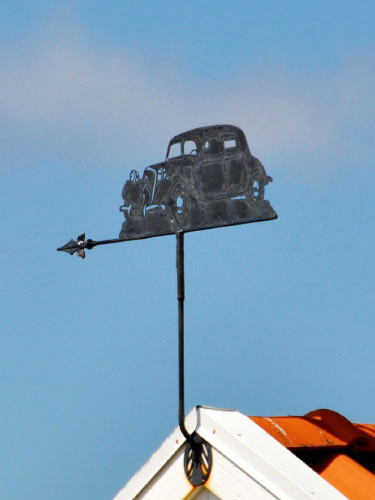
198 454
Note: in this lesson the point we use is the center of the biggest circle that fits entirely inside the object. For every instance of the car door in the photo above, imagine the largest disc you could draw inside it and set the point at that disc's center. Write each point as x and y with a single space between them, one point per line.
234 167
212 179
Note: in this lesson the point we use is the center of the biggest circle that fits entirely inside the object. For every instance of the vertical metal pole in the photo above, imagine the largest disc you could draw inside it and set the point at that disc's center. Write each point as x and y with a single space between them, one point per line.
181 298
198 453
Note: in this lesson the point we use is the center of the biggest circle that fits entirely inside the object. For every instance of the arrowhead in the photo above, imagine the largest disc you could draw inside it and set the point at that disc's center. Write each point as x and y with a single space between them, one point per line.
71 247
75 246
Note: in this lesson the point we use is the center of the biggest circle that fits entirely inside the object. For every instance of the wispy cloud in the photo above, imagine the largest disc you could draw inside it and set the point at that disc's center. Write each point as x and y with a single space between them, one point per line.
106 100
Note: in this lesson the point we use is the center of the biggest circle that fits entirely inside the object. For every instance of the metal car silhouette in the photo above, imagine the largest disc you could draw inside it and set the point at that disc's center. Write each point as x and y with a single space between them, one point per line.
208 179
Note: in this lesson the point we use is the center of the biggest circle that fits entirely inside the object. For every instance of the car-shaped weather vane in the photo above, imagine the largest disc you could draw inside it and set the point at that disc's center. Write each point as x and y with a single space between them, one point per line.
209 179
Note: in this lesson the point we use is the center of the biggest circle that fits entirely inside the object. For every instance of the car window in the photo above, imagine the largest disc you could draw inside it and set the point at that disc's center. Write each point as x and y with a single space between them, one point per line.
212 147
190 146
230 144
175 149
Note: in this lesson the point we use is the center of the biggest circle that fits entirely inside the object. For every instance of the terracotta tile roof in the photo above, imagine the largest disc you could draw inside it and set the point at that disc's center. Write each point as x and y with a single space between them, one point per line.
343 453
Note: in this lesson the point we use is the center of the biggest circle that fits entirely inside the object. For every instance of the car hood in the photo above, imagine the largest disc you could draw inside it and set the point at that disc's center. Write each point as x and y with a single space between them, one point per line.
157 166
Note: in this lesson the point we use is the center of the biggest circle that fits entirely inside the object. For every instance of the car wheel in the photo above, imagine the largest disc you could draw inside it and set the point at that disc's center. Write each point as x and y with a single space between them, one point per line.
257 189
181 204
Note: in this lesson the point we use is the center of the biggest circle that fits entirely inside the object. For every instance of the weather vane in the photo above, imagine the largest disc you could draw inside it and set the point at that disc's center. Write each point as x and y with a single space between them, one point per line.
209 179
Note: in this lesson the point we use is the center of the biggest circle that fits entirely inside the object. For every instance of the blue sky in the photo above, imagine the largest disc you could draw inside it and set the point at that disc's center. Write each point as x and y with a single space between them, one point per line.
279 315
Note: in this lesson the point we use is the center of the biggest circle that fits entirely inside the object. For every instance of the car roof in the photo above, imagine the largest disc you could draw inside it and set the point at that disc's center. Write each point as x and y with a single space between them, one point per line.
204 131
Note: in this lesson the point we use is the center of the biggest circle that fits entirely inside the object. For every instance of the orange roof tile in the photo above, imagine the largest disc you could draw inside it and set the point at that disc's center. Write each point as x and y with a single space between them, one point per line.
343 453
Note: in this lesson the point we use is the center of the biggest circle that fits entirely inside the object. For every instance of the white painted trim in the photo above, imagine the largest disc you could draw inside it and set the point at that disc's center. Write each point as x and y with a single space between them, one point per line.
261 457
248 464
157 461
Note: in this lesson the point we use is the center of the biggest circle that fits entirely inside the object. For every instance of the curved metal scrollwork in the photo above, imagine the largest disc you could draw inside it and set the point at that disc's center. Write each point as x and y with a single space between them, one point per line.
197 460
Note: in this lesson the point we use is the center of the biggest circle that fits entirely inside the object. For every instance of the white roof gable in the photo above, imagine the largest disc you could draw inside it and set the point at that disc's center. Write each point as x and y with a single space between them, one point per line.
248 464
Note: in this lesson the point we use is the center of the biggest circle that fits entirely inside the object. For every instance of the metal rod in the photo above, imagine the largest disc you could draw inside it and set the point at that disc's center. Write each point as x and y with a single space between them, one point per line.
181 355
92 243
198 453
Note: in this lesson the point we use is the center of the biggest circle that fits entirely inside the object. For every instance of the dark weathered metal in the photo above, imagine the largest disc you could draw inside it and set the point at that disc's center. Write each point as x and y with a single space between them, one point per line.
197 460
81 244
198 453
76 246
209 179
181 332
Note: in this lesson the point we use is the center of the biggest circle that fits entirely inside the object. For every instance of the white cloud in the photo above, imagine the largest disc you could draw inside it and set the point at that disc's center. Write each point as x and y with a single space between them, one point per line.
105 100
